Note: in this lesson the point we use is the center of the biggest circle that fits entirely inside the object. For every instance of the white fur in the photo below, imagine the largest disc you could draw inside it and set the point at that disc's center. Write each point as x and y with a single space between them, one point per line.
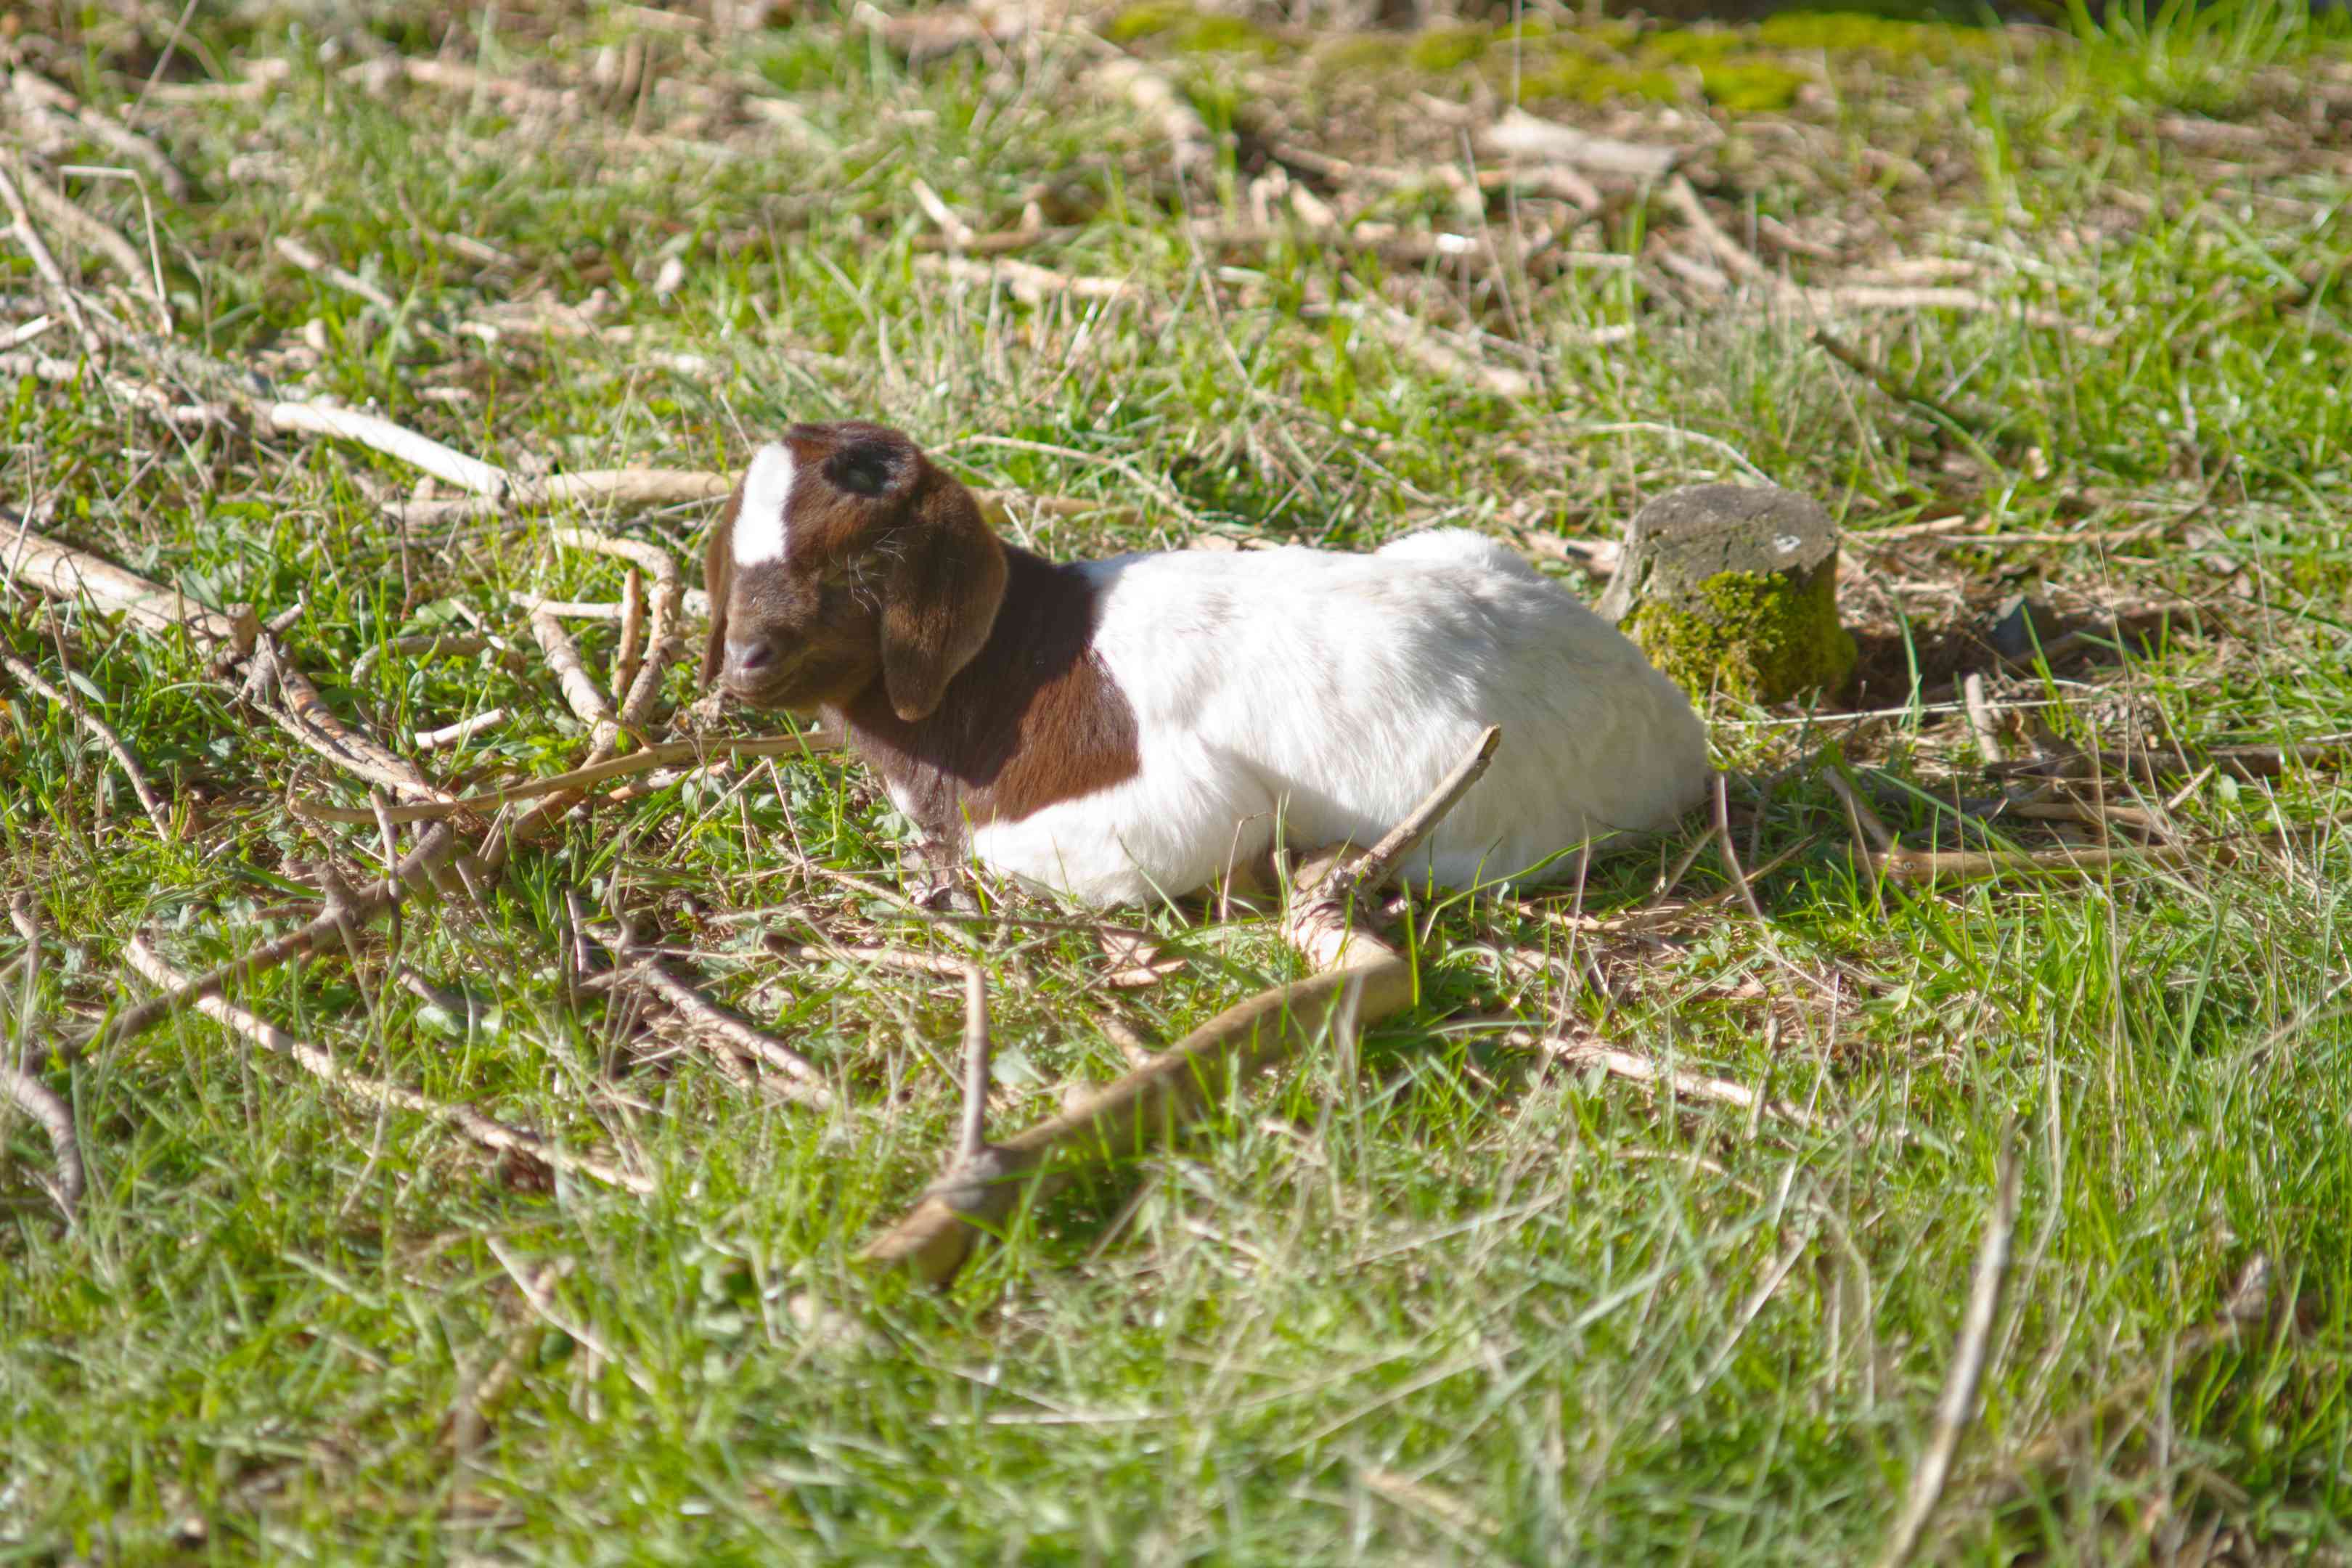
767 491
1330 692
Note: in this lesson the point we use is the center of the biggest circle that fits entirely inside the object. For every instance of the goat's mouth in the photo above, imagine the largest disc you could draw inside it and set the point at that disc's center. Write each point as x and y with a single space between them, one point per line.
800 685
781 695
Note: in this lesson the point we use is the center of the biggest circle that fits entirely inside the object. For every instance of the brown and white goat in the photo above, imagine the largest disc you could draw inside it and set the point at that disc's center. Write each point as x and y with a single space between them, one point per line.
1127 728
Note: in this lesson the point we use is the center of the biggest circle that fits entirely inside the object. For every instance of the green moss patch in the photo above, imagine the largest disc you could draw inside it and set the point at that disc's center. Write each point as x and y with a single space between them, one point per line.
1187 31
1751 86
1850 32
1755 636
1442 49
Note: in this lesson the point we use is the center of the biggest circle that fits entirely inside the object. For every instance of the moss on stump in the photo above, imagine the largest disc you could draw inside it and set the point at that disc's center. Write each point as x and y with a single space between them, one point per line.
1734 588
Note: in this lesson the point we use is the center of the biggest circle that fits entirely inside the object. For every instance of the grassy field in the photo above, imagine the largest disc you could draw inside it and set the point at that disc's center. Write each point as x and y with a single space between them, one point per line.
1452 1295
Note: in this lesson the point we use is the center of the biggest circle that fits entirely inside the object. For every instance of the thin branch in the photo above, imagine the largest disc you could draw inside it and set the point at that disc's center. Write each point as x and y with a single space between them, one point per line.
663 641
580 693
1865 821
65 572
38 1101
44 263
369 902
971 1142
897 958
1379 863
125 758
1980 718
1637 1069
699 1015
1361 979
462 1118
444 463
701 750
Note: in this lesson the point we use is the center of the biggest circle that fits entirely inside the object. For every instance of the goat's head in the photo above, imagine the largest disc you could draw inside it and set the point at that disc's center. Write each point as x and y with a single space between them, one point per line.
847 556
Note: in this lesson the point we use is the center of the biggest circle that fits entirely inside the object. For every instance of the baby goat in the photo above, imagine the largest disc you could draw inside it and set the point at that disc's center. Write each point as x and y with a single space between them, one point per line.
1129 729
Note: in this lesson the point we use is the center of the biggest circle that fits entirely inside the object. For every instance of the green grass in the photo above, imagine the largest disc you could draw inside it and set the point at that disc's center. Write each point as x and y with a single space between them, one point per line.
1431 1300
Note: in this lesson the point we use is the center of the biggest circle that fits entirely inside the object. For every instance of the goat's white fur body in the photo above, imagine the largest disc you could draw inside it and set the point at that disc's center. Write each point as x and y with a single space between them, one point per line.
1323 695
767 491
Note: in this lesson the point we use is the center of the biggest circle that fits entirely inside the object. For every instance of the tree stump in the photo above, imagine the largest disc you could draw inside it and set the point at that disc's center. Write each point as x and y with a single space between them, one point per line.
1733 588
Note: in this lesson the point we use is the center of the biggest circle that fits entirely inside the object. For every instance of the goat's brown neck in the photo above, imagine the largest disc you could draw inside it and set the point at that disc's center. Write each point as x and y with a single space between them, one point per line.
1034 719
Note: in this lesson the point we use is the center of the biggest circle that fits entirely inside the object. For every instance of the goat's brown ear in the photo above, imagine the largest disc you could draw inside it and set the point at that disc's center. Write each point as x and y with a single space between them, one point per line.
941 599
719 583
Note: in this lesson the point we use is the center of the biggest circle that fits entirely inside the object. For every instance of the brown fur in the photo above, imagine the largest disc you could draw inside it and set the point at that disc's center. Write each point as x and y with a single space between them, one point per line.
960 669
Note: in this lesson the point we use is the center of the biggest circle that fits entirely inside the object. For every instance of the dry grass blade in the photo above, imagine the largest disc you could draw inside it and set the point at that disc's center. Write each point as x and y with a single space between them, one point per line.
1893 386
483 1130
1955 1410
1361 979
125 758
2253 1302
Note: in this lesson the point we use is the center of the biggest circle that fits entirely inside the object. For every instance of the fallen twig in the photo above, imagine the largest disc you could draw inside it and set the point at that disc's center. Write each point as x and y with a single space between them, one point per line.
1520 134
463 729
1172 114
69 573
898 958
609 487
580 693
663 642
78 226
701 750
28 1093
102 128
972 1140
1635 1068
462 1118
290 701
1734 256
1957 1410
1024 280
1981 724
444 463
44 263
699 1015
125 758
38 1101
1361 979
368 902
350 282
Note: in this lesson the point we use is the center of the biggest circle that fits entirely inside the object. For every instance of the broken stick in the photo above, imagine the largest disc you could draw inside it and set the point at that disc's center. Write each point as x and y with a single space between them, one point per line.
1359 980
463 1119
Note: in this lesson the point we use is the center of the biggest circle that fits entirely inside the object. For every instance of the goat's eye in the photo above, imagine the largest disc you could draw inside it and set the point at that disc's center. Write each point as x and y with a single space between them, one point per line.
861 470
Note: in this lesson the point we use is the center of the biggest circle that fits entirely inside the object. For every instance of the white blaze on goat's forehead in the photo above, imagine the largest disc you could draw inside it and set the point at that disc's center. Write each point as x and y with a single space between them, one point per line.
767 489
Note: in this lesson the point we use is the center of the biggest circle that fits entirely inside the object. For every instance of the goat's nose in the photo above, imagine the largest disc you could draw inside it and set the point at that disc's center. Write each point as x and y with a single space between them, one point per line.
749 657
